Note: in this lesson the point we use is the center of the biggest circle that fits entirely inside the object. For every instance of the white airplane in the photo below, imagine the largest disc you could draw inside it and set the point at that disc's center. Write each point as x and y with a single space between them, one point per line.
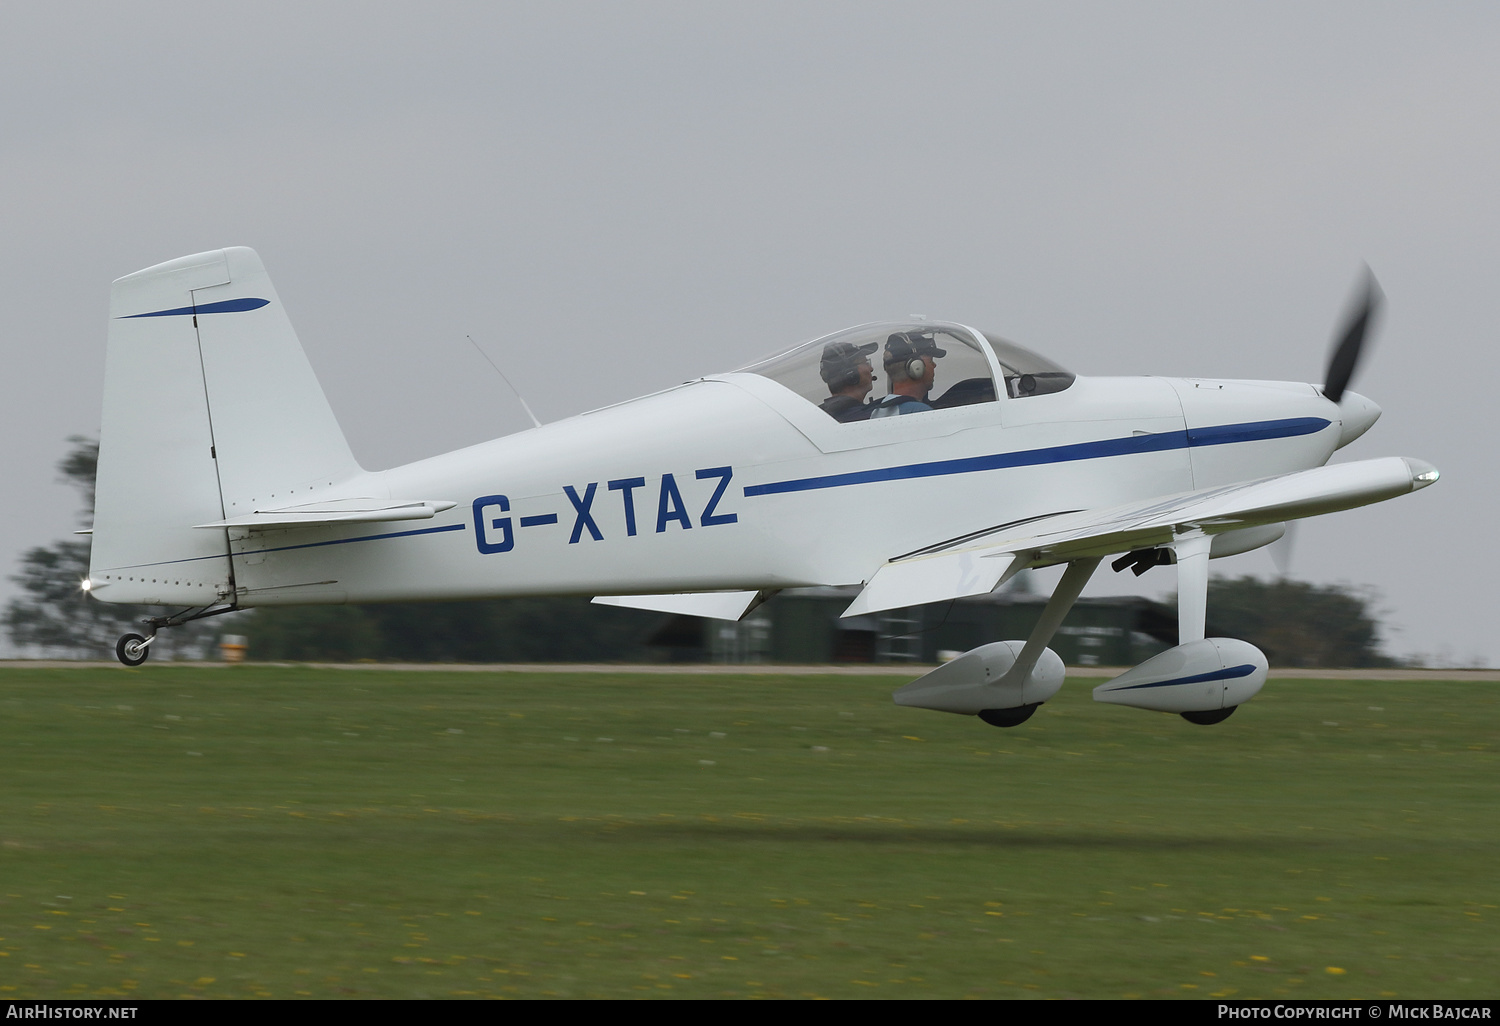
225 483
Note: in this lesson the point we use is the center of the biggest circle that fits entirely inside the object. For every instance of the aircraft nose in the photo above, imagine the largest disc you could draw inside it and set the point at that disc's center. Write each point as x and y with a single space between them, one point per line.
1357 414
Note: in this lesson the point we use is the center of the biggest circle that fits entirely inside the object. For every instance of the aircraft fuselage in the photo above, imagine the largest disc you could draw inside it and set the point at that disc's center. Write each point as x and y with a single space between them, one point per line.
732 482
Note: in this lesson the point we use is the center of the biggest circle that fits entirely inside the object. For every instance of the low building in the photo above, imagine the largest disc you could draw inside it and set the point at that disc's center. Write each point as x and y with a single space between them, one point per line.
803 626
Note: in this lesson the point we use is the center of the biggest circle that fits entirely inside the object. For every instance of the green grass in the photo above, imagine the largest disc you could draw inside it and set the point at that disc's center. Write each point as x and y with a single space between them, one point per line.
283 832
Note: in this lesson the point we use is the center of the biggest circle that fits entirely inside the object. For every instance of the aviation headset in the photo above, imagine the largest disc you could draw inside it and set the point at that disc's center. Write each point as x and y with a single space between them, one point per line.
913 366
841 363
846 377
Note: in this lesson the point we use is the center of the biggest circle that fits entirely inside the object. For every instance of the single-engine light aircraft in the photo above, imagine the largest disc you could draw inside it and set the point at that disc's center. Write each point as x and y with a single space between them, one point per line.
921 461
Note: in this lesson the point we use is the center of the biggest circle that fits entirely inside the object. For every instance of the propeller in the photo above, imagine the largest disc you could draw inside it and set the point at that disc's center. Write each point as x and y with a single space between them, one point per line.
1342 363
1344 359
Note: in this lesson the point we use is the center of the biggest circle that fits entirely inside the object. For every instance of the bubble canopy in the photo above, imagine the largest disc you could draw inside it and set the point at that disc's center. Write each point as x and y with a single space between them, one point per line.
830 371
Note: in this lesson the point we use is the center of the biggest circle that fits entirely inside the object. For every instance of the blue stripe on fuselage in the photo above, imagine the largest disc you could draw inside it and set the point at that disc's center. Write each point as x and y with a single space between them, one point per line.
361 538
1222 434
305 545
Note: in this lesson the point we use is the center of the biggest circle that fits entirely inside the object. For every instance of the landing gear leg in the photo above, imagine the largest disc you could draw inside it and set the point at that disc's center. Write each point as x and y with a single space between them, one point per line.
1192 586
1068 589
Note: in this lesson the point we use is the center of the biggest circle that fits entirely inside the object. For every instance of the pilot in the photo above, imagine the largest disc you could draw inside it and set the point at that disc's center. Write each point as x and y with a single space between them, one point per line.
846 370
910 360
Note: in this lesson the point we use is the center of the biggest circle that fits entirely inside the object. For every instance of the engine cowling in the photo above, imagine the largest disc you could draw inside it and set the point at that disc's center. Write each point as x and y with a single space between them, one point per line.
1198 679
972 683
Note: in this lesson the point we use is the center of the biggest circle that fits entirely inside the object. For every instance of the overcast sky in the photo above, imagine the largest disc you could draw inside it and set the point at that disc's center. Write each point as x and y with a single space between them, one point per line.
615 197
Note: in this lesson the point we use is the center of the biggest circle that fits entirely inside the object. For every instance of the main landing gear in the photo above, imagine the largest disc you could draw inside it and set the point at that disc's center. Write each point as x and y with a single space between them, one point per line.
1203 679
133 649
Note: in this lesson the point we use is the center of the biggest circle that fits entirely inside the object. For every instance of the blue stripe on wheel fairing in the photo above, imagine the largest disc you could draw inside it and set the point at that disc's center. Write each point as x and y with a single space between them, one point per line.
1221 434
1228 673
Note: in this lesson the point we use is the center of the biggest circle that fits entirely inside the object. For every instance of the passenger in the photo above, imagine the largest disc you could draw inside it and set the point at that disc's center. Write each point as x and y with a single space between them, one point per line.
846 370
910 361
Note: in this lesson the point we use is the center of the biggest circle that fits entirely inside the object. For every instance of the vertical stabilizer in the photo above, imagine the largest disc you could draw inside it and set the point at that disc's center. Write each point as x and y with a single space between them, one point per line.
210 410
278 442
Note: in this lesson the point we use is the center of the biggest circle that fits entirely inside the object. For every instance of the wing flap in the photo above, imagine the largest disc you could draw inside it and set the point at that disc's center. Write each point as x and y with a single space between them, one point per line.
914 582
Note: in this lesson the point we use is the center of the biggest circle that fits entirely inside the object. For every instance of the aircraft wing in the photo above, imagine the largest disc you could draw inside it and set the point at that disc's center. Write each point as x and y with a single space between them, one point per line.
977 563
336 511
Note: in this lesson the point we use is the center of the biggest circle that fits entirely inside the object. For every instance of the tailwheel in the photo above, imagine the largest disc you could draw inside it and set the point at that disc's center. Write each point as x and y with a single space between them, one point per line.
132 649
1009 717
1210 716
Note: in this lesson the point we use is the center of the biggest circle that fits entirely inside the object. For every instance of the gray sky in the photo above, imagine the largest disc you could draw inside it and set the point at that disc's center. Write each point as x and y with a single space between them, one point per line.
653 191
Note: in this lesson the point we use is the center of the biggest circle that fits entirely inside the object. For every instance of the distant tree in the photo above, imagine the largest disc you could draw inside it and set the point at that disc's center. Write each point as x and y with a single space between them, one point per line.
55 615
1297 624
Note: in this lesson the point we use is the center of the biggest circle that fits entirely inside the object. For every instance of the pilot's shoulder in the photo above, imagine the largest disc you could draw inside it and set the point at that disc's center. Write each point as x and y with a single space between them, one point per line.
898 405
844 408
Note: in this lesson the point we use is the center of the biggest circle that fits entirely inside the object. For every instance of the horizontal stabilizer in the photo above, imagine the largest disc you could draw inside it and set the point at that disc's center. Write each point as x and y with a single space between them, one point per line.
716 605
976 564
336 511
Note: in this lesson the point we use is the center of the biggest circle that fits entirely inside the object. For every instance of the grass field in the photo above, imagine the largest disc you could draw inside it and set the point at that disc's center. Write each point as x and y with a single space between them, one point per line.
269 831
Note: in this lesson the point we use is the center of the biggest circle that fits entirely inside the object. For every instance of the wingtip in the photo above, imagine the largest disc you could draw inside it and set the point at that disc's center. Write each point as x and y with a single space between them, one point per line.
1422 472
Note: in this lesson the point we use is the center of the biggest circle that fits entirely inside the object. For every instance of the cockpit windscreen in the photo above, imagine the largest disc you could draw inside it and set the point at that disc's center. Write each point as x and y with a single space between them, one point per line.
1026 373
877 371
